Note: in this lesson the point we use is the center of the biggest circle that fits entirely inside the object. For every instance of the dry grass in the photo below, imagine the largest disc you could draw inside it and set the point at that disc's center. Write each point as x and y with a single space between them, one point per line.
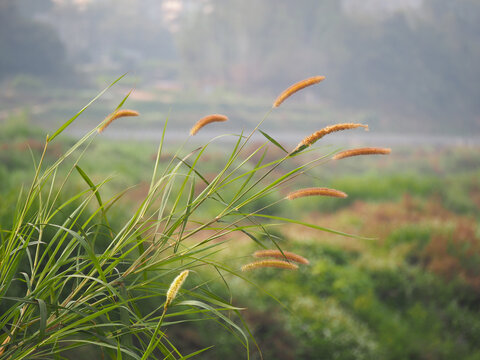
455 254
311 139
281 255
319 191
362 151
3 346
115 115
297 87
269 263
207 120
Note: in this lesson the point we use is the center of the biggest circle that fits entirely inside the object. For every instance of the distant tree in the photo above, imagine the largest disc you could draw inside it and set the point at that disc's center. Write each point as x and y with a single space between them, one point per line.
32 7
121 32
416 65
248 43
28 47
410 64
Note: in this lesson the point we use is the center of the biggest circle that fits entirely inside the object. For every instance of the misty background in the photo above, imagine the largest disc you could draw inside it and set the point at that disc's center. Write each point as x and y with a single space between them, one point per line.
403 67
407 68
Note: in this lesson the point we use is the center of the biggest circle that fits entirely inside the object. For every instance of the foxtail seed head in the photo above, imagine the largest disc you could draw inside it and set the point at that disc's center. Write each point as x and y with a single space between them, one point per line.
311 139
115 115
362 151
270 263
281 255
316 192
174 287
4 346
207 120
297 87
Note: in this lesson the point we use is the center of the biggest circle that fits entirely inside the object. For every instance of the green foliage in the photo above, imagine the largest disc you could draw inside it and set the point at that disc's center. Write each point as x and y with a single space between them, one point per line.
416 235
343 310
326 330
372 300
74 275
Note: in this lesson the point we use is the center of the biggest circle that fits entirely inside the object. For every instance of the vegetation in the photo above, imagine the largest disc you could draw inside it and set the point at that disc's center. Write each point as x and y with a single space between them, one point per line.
85 276
235 247
73 275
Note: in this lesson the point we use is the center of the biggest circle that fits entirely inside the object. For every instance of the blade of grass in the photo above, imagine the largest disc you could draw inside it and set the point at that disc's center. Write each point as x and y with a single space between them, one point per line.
72 119
273 141
43 319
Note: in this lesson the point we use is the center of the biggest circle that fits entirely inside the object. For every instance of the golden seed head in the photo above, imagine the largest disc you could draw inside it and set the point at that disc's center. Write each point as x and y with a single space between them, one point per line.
362 151
281 255
269 263
115 115
3 346
175 286
207 120
297 87
311 139
316 192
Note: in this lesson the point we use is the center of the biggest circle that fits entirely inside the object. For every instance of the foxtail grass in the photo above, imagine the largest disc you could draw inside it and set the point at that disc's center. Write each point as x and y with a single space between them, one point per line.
116 115
205 121
4 344
295 88
280 264
73 274
287 255
317 135
318 191
174 287
362 151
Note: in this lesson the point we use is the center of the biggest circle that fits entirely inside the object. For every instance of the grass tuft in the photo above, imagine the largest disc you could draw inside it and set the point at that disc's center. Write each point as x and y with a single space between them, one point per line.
74 274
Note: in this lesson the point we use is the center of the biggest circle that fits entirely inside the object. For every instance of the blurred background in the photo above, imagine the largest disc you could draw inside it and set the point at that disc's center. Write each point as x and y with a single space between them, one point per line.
402 66
407 68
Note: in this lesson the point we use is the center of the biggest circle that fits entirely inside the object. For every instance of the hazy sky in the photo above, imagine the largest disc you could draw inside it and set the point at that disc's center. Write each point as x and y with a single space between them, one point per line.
364 46
380 6
365 6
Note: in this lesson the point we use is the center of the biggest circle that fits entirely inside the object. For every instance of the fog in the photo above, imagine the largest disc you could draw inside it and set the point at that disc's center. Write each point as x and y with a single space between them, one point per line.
403 67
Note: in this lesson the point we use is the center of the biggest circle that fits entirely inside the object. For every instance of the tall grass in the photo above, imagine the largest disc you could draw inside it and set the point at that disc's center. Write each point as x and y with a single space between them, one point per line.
69 279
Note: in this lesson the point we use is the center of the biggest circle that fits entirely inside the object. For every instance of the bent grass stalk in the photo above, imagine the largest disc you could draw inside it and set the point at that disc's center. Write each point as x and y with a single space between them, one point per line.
362 151
281 255
319 191
4 345
280 264
311 139
205 121
295 88
116 115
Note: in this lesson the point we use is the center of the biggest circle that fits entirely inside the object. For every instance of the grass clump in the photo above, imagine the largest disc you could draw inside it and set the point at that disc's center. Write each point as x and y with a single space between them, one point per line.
73 277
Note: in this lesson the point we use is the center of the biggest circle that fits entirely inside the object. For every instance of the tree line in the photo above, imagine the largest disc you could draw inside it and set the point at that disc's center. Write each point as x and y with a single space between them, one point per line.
418 64
421 64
